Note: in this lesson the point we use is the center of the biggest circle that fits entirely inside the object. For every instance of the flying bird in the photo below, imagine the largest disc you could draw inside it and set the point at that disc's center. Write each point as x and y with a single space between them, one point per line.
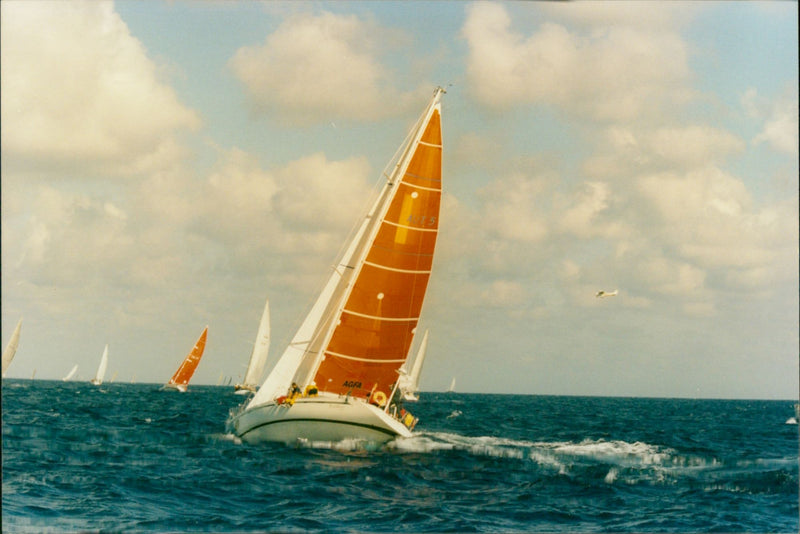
603 294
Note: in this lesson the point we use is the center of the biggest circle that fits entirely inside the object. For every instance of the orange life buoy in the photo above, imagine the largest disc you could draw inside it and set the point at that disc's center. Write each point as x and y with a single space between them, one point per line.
380 398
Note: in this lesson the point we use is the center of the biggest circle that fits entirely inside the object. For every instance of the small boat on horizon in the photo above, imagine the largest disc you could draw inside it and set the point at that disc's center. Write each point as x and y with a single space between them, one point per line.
101 369
339 376
452 388
71 374
180 380
258 357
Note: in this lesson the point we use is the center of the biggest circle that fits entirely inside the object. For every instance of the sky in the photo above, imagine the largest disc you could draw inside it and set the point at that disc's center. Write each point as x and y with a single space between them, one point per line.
171 165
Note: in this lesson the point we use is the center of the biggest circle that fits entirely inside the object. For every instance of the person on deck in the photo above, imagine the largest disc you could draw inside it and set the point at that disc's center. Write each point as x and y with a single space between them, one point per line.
294 392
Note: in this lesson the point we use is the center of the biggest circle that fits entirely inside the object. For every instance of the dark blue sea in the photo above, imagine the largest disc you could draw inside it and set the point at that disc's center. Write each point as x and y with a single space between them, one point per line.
132 458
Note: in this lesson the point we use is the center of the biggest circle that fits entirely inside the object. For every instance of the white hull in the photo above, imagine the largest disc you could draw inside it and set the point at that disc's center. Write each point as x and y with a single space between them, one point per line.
178 387
244 389
324 418
410 396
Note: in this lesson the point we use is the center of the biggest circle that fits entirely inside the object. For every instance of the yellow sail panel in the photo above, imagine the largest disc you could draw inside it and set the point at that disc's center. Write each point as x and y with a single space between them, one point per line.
190 363
375 329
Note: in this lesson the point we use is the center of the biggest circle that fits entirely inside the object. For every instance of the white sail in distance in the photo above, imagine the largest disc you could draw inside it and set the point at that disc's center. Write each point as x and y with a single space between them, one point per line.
11 349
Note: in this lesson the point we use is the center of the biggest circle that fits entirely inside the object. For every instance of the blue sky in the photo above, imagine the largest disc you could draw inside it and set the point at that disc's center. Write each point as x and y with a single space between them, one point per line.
168 165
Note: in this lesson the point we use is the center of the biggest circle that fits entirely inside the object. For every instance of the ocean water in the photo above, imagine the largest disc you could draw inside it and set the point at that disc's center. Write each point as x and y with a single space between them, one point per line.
132 458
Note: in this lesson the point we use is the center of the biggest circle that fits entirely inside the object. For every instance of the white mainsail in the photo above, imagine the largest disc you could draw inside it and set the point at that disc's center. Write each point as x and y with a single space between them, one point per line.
11 348
101 369
71 374
281 375
409 384
452 387
258 358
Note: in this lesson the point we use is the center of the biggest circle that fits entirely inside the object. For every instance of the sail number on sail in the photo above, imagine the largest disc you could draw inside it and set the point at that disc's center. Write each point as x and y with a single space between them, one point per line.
421 220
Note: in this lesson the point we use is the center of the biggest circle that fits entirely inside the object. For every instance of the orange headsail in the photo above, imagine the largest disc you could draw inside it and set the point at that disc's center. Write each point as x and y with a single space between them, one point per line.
187 368
376 325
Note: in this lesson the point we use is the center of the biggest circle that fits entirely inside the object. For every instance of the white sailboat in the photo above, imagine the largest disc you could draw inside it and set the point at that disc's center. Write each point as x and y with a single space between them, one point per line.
452 387
11 349
258 358
348 351
409 384
101 369
71 374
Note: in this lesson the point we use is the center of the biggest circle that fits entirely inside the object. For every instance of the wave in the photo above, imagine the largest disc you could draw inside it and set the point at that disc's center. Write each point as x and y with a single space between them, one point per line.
616 460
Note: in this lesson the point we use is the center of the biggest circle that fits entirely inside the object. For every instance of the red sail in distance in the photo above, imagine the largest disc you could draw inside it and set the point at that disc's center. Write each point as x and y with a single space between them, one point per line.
378 321
187 368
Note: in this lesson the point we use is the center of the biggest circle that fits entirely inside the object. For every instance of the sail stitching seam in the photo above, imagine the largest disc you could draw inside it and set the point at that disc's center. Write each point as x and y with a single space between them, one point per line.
409 271
420 177
411 227
415 186
378 318
336 354
421 142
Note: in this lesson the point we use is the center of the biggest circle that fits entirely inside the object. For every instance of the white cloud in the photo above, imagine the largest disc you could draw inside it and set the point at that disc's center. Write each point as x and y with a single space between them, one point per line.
694 145
79 91
780 129
616 72
673 277
317 193
503 293
583 212
621 13
72 238
315 68
510 210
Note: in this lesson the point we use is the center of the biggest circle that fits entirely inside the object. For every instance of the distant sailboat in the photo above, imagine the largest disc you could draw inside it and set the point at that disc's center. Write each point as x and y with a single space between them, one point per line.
101 370
258 358
11 348
34 374
409 384
114 376
71 374
452 387
348 351
180 380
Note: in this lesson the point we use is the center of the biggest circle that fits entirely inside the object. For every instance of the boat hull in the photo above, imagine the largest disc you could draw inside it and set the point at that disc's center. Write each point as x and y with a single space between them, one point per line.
244 389
318 419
